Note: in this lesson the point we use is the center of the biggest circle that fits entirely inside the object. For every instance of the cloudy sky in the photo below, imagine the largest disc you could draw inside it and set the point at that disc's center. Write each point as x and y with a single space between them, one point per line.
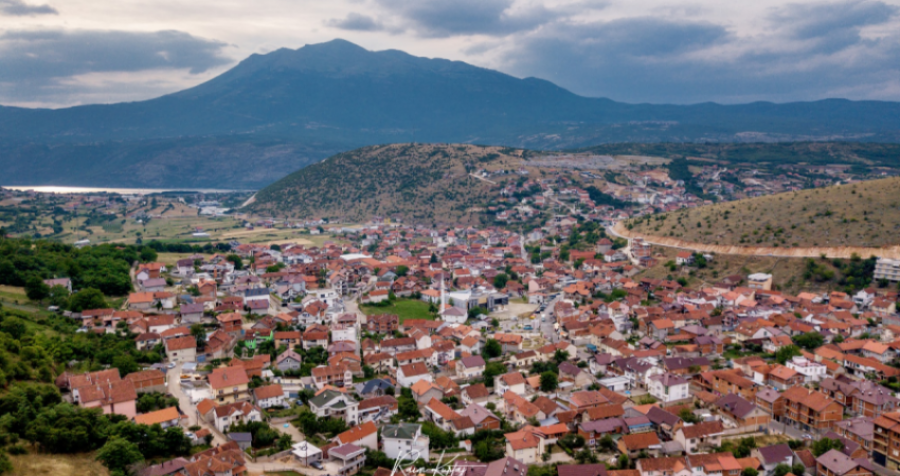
56 53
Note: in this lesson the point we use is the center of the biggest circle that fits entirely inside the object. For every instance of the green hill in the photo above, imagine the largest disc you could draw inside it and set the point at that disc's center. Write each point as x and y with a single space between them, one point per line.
424 183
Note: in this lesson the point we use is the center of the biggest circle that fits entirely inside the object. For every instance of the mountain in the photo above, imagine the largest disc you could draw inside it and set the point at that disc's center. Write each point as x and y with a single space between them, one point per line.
422 183
274 113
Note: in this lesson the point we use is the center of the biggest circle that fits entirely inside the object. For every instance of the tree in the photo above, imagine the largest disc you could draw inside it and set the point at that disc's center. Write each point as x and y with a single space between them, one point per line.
236 260
786 352
560 356
36 289
688 417
59 296
401 270
492 349
491 370
407 407
825 445
126 364
199 333
549 382
798 469
148 254
782 469
753 472
586 456
89 298
500 280
118 454
810 340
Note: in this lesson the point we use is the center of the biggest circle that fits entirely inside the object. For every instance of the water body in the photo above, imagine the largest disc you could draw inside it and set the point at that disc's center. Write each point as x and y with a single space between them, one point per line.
121 191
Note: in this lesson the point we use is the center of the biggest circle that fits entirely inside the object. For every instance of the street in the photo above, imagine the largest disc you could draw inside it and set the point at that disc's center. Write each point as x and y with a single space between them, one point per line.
173 381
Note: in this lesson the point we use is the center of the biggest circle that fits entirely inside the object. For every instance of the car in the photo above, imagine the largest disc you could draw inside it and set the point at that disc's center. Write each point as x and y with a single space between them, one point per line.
527 328
171 365
317 465
806 436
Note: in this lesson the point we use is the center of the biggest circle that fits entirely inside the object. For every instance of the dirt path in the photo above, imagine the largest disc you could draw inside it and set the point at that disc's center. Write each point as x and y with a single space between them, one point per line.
844 252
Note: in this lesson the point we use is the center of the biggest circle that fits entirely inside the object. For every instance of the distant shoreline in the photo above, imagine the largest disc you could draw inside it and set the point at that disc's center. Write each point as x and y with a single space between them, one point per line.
61 189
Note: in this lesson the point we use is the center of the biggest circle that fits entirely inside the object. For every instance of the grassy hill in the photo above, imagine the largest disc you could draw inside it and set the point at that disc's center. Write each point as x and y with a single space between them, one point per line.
859 214
423 183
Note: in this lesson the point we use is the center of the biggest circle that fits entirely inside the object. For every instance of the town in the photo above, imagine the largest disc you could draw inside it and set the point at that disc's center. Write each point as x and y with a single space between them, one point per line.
396 346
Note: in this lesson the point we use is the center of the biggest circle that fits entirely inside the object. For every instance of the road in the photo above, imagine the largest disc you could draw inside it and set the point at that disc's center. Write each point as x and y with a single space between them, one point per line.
778 427
547 325
173 377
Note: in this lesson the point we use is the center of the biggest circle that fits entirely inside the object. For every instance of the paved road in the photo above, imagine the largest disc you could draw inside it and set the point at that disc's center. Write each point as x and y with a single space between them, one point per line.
778 427
184 403
547 329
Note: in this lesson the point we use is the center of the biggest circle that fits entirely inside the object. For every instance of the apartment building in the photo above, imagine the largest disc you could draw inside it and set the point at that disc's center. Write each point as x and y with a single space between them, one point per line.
810 410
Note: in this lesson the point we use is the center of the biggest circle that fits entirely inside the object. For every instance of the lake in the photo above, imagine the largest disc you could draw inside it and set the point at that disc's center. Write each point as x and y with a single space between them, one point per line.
121 191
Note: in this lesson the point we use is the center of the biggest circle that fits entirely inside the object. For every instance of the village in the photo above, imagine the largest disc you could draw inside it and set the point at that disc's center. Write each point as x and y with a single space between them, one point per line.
402 346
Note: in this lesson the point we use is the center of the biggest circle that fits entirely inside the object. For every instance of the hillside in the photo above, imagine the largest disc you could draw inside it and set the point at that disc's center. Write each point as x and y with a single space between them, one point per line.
422 183
864 214
274 113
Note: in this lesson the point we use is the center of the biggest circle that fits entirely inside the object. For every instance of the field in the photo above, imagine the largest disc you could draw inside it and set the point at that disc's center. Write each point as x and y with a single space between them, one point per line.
57 465
403 308
863 214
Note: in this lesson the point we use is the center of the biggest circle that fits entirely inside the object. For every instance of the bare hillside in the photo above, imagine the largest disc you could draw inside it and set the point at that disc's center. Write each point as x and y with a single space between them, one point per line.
863 214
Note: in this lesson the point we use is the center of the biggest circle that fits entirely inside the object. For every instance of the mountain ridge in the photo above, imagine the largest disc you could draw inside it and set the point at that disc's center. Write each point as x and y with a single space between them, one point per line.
320 99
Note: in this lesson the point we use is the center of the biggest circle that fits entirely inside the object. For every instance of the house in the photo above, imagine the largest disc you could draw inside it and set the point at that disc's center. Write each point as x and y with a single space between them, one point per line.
377 408
405 441
364 435
181 349
407 375
339 375
383 323
509 382
424 390
229 384
669 388
632 444
477 393
572 373
835 463
771 456
470 367
191 313
509 342
524 359
524 446
148 381
350 458
306 454
269 396
481 417
700 436
288 360
113 397
236 412
165 418
743 413
331 403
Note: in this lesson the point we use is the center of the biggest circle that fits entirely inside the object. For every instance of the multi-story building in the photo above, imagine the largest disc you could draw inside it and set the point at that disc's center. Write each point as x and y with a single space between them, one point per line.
404 441
229 384
888 269
810 410
811 370
383 323
886 440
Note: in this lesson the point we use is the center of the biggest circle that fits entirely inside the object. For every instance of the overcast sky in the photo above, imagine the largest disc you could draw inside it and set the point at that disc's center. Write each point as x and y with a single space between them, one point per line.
71 52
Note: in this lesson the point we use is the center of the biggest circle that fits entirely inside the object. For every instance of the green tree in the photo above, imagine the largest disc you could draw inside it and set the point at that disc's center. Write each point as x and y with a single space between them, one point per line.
236 260
148 254
491 370
560 356
126 364
549 381
402 270
810 340
786 352
500 280
754 472
89 298
586 456
782 469
798 469
59 296
824 445
36 289
118 454
492 349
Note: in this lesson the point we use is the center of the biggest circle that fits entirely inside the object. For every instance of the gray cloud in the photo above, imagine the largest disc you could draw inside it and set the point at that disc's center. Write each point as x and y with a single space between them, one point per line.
48 54
442 18
356 22
20 8
807 53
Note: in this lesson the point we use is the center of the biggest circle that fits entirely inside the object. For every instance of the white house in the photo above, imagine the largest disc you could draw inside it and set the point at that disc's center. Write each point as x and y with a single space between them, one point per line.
812 371
668 388
404 442
332 403
269 396
409 374
470 367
